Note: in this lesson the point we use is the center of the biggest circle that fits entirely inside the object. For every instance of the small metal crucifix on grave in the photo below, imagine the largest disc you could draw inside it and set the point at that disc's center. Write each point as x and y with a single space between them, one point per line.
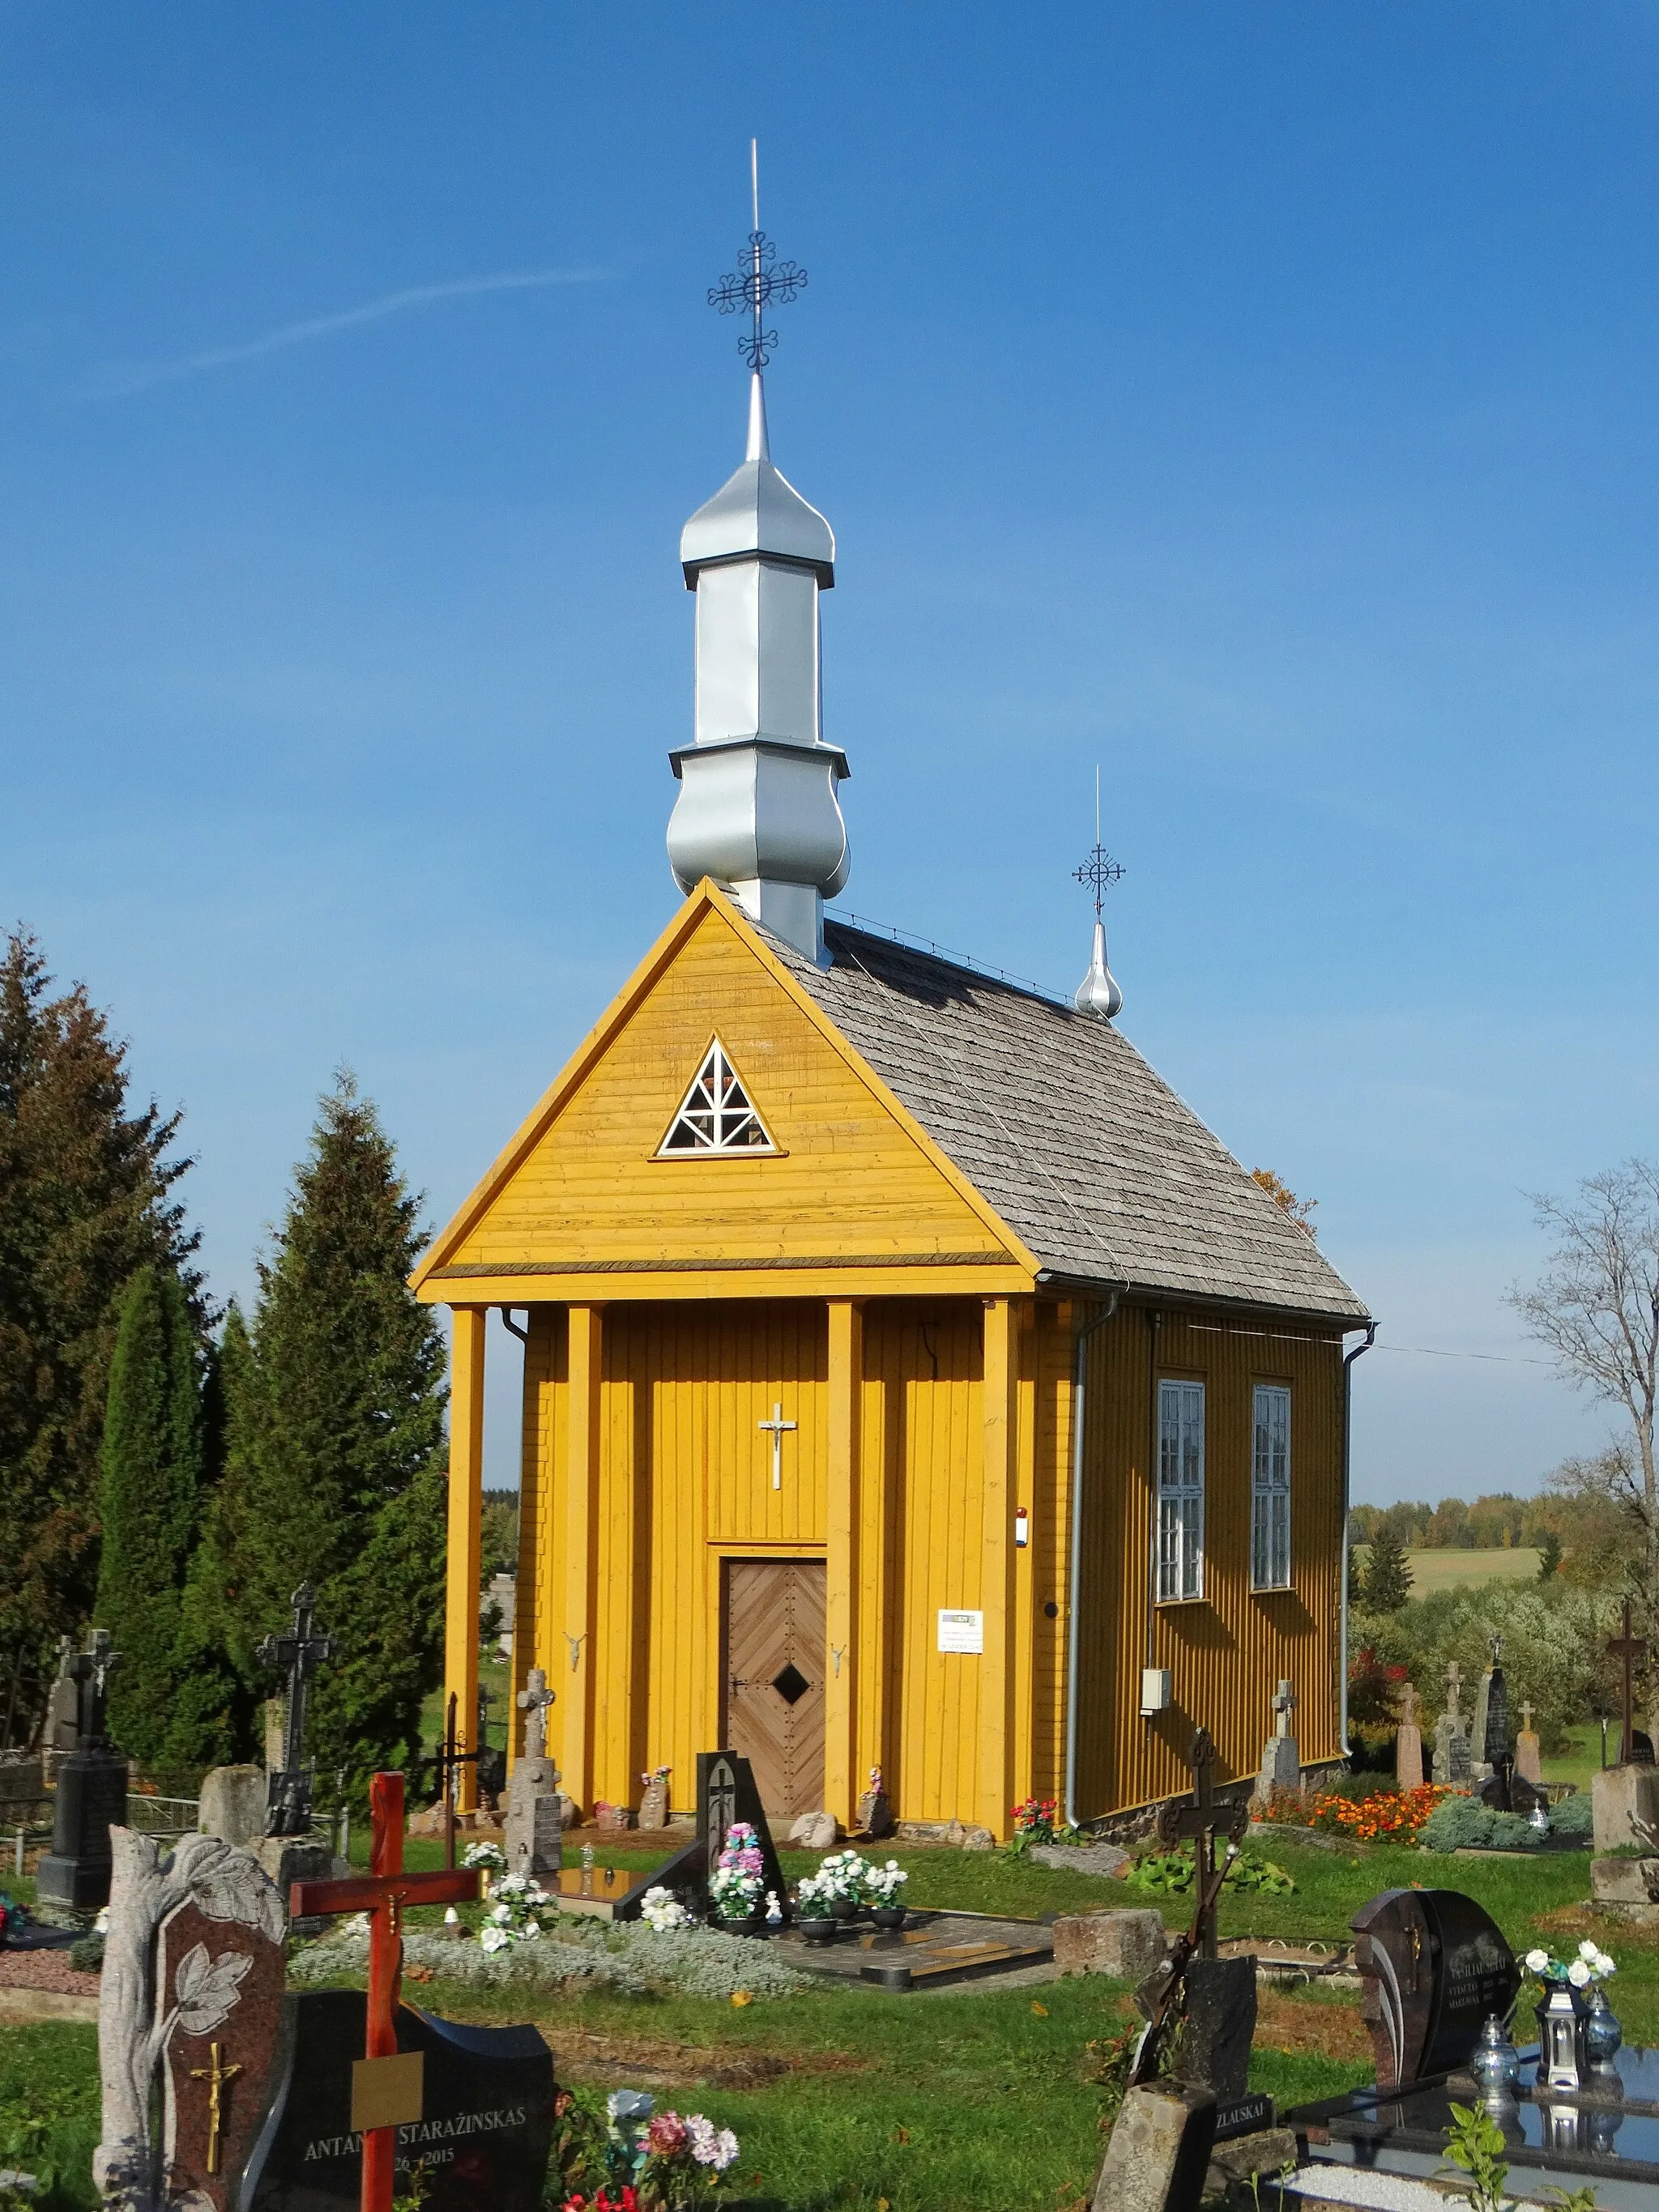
386 2088
779 1429
1629 1651
1199 1823
1284 1706
216 2076
90 1671
533 1702
298 1655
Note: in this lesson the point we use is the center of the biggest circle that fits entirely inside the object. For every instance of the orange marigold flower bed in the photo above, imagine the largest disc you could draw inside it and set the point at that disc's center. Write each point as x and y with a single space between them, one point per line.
1390 1816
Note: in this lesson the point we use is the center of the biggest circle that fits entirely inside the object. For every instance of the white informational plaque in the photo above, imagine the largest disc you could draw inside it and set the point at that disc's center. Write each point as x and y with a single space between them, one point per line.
961 1631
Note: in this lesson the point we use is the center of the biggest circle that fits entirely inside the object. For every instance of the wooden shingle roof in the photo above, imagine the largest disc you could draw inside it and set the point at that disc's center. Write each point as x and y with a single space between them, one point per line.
1087 1154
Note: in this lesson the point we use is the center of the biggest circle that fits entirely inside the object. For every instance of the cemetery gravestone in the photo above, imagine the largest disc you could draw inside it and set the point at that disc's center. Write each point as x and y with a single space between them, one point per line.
534 1839
874 1813
1433 1966
1452 1754
653 1803
1408 1743
1482 1730
297 1655
221 1984
92 1792
1281 1758
233 1804
1219 2013
486 2128
64 1704
725 1793
1159 2151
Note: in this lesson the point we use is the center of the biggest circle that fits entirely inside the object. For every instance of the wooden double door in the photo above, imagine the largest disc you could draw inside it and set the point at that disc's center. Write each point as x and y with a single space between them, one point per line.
772 1668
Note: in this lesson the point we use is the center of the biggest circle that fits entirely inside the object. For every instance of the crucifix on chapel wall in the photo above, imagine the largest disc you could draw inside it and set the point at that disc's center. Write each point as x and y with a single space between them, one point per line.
778 1428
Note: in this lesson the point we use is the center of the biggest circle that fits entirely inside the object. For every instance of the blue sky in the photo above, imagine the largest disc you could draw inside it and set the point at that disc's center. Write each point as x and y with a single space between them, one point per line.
1256 399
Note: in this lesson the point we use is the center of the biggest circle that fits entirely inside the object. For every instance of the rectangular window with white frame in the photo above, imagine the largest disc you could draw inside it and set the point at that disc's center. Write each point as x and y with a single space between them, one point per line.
1270 1488
1180 1491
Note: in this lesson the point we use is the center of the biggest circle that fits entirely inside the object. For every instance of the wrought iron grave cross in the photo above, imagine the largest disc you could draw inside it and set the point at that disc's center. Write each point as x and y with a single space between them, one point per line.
779 1428
298 1655
1628 1649
1199 1823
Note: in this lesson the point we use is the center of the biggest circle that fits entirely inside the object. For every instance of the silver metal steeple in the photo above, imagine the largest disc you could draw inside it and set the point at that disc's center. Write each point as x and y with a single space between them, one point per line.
1098 991
758 809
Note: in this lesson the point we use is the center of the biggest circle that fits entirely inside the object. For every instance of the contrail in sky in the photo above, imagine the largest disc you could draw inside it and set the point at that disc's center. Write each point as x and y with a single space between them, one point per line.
115 383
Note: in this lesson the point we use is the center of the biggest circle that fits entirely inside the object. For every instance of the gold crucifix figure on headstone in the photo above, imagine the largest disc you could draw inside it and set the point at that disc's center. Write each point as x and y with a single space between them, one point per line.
215 2076
778 1426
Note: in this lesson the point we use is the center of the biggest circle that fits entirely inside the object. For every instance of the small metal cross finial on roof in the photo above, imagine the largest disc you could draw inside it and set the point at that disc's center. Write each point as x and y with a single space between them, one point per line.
759 280
1100 869
779 1428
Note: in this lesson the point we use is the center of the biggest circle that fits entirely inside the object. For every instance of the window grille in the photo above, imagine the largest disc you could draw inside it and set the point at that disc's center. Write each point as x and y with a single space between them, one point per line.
1270 1498
1180 1491
716 1113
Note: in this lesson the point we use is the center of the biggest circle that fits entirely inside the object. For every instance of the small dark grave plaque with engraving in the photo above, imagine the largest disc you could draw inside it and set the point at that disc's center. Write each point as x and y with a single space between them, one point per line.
1433 1966
484 2135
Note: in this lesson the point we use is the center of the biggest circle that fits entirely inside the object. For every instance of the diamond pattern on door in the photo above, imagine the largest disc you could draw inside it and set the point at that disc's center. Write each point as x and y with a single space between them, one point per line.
772 1643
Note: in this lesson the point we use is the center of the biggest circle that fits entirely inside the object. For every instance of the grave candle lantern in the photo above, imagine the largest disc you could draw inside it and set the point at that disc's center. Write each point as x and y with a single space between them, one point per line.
1561 2056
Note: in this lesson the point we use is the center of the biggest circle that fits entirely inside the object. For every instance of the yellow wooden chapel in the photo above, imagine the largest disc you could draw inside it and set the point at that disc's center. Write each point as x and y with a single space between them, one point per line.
911 1381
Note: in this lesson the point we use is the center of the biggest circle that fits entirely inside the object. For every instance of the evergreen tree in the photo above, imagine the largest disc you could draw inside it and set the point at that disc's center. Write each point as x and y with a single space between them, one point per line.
150 1504
1388 1576
214 1712
336 1468
1549 1557
85 1202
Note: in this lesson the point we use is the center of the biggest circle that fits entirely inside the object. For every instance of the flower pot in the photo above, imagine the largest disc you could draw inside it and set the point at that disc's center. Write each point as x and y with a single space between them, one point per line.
820 1928
889 1916
750 1923
844 1908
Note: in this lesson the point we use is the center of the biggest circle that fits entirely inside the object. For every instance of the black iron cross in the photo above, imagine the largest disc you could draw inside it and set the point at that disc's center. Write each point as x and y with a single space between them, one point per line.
1100 869
758 280
298 1655
1199 1824
90 1672
446 1763
1628 1649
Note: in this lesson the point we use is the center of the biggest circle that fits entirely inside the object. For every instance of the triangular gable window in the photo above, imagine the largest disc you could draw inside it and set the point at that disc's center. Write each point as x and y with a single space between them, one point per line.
716 1114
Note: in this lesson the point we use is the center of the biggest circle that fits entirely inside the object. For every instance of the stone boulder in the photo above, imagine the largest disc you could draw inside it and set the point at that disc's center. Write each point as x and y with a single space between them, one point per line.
814 1832
1125 1945
1103 1859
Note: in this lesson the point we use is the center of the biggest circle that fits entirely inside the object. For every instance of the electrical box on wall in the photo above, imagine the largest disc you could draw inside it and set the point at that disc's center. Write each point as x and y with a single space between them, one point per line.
1155 1690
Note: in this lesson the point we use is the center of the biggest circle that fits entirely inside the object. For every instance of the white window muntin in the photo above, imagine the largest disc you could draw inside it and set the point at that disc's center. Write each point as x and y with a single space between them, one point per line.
716 1114
1180 1491
1270 1487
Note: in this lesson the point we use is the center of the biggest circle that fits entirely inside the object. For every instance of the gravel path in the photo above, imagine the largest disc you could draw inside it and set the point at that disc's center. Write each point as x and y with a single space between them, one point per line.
45 1969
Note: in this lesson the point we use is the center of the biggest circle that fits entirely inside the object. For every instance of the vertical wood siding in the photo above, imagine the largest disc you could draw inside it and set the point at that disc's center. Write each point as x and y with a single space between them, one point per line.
1226 1651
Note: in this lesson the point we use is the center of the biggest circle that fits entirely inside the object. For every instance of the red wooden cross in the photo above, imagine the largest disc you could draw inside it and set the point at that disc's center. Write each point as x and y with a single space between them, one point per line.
383 1893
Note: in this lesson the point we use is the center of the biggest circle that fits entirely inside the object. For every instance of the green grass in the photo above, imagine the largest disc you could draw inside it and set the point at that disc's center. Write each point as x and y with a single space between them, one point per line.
968 2102
49 2107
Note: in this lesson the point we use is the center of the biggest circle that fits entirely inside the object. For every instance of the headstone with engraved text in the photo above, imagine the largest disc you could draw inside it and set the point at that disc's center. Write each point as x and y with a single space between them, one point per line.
1433 1966
725 1793
92 1792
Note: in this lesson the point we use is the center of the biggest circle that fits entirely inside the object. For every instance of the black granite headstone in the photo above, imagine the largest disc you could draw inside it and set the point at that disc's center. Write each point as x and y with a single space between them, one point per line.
725 1793
484 2137
1217 2010
92 1797
1433 1966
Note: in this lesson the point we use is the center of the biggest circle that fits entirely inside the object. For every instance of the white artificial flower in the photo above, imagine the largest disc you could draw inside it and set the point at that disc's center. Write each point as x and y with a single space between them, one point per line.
491 1939
530 1927
1537 1961
1605 1965
100 1925
501 1915
1587 1949
1578 1974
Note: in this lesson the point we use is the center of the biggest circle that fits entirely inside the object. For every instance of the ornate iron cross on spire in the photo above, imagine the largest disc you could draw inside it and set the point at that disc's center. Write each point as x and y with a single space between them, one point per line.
759 280
1100 869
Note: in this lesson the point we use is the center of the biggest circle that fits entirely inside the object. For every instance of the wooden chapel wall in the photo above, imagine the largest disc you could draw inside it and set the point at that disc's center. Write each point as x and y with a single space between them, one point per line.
686 1481
1227 1650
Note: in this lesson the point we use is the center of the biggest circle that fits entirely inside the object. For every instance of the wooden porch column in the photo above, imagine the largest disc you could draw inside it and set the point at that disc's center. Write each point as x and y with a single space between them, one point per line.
842 1779
572 1671
996 1730
466 1375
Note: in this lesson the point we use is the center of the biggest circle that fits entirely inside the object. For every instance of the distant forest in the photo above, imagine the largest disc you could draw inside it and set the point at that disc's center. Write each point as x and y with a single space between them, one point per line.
1491 1523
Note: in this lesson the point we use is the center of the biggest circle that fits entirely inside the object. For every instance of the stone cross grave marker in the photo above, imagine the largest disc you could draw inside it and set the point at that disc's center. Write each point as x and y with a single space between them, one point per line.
1452 1754
63 1708
1629 1649
296 1655
387 2091
533 1701
535 1818
1281 1758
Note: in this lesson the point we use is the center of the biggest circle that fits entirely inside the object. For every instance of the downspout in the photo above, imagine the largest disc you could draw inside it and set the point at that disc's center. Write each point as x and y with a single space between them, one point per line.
1348 1359
1073 1625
